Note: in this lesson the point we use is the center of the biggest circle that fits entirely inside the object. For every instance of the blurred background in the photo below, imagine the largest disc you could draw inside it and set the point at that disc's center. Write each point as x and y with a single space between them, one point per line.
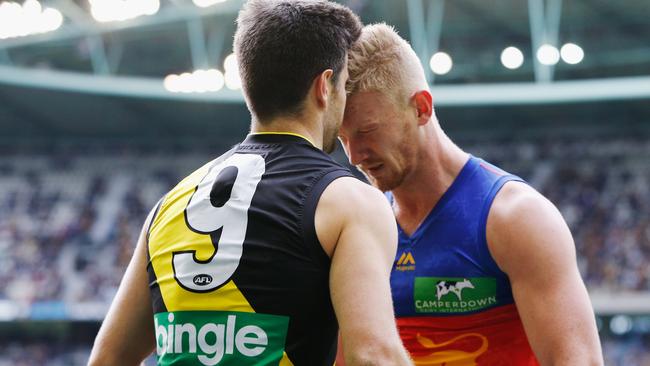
106 104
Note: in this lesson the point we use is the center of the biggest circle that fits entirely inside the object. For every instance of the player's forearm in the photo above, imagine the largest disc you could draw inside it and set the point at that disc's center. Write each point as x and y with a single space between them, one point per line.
581 359
575 350
381 348
566 343
572 337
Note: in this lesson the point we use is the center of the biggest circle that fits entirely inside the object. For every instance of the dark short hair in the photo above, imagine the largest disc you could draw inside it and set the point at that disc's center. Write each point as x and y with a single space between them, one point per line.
282 45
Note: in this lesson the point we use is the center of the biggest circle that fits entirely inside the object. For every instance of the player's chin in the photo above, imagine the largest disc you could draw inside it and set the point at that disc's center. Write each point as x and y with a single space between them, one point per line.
379 182
384 187
386 181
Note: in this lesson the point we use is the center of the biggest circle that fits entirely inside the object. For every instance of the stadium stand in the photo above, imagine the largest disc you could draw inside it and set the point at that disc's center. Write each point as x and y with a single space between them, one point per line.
71 217
92 133
74 216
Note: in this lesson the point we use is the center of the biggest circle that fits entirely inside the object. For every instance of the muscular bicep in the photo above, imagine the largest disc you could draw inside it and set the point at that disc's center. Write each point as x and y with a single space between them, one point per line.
365 234
359 276
532 244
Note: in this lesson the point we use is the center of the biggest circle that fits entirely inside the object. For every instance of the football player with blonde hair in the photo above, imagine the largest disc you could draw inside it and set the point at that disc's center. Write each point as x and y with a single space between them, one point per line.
485 271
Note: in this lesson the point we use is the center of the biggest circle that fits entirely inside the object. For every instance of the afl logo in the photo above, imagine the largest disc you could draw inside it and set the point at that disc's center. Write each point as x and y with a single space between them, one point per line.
202 279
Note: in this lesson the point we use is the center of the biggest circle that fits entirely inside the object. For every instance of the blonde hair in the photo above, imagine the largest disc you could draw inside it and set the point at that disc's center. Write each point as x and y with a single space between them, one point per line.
383 61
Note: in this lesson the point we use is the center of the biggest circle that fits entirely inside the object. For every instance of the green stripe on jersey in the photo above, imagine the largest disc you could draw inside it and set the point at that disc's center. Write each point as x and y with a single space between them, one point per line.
219 338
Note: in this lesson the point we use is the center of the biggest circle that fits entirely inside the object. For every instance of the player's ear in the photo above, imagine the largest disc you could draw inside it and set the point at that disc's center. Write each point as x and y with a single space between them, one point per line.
321 87
423 102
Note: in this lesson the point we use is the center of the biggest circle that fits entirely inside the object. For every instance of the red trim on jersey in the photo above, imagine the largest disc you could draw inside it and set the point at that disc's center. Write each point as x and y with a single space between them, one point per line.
492 337
492 169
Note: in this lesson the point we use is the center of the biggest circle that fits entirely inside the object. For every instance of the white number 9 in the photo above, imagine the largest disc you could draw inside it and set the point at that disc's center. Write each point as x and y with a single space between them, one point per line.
205 216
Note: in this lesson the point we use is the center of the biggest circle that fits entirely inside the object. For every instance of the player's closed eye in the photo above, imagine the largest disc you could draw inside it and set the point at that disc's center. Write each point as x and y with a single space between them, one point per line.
368 130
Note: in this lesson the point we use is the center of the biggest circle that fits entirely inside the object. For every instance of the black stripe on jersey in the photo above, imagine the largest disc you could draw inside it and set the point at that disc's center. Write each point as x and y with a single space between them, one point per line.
284 269
309 214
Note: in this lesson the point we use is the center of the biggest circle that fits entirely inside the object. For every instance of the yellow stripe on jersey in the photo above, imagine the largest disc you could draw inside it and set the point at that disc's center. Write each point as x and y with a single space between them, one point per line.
169 233
283 133
285 361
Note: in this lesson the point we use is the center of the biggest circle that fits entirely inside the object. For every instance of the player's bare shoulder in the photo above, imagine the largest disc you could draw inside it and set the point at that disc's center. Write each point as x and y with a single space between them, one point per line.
348 200
346 191
513 200
519 219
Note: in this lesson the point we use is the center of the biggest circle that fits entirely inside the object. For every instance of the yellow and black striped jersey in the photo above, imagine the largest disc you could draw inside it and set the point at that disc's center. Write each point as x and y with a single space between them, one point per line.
237 274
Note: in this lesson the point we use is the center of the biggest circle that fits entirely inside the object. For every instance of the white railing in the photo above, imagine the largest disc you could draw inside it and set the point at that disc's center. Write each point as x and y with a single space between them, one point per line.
444 95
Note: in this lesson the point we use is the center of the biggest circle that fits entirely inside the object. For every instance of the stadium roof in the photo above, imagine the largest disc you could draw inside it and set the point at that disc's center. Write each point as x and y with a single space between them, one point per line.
115 70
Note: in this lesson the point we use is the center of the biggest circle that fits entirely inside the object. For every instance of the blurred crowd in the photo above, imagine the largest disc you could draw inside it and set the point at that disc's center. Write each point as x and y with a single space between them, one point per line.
49 354
69 217
69 220
633 351
602 188
43 353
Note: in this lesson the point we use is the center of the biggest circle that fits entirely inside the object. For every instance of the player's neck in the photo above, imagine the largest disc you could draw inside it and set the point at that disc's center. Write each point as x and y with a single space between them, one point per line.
287 125
438 164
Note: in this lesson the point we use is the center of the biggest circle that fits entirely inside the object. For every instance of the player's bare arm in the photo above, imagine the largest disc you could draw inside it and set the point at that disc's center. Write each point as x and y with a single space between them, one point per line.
532 244
357 229
126 336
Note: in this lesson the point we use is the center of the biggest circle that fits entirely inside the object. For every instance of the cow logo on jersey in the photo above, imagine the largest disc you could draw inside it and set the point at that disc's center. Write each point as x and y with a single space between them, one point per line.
219 338
445 287
406 262
454 295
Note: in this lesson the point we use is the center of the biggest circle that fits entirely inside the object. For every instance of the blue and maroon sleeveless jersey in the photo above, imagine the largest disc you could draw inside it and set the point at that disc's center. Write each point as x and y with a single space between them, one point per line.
454 306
